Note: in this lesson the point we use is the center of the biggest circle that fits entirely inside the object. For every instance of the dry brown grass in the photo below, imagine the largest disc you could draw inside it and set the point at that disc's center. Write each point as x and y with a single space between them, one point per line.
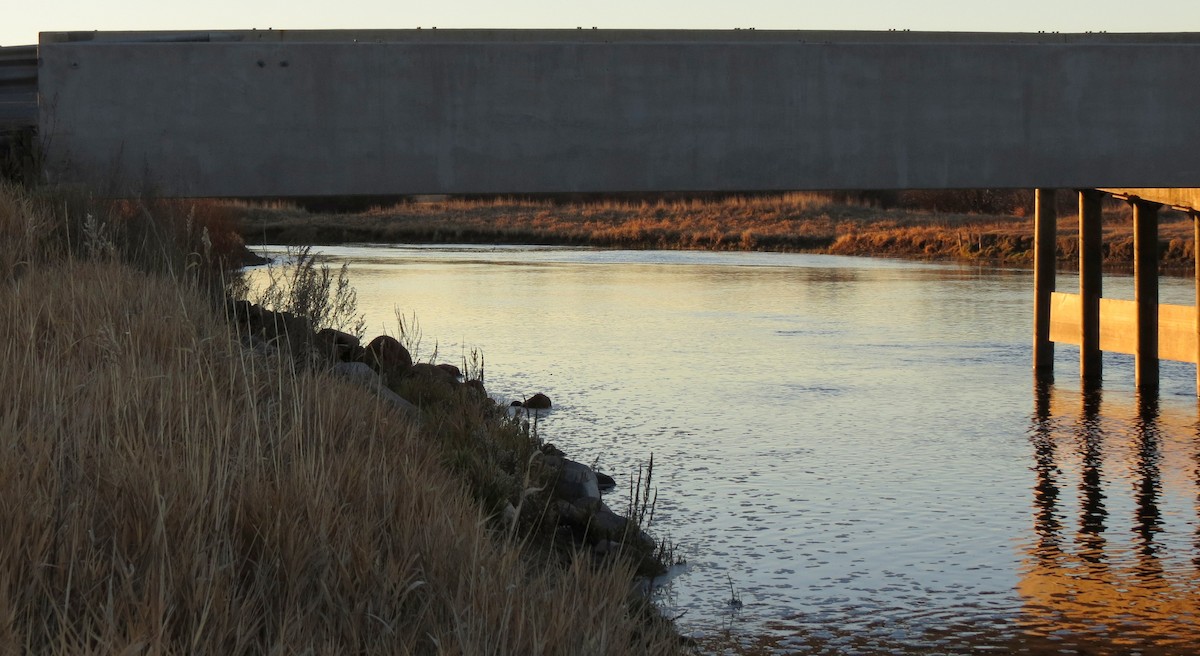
164 491
798 221
810 222
25 232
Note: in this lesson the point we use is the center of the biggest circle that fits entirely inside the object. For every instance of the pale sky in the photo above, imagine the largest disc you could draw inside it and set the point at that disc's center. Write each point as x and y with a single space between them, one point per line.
25 18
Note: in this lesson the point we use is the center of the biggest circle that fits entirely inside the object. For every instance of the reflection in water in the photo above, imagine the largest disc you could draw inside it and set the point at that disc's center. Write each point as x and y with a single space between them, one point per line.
1196 475
1045 491
848 442
1104 592
1148 485
1091 485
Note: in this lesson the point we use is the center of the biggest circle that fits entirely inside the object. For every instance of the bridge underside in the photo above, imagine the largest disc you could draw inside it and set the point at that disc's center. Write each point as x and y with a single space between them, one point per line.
501 111
1186 200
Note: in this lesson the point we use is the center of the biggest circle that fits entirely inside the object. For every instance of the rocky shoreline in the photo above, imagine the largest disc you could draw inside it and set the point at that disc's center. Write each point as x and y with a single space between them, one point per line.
573 490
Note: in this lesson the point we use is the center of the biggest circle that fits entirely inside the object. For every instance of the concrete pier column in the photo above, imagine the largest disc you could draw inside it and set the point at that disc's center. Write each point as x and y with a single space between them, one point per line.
1045 246
1090 287
1145 291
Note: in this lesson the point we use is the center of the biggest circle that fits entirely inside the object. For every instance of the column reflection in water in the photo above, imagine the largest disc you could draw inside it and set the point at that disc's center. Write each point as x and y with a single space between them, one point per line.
1196 475
1147 486
1106 590
1047 524
1090 440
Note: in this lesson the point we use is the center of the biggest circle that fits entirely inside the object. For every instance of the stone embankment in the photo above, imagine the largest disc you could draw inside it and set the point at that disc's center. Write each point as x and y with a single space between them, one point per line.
578 500
574 488
379 365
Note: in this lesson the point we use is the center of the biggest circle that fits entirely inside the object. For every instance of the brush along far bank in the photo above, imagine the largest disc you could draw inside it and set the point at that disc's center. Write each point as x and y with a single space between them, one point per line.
170 488
989 226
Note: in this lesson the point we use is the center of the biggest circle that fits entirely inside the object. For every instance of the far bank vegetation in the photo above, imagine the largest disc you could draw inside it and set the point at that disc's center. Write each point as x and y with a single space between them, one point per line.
974 225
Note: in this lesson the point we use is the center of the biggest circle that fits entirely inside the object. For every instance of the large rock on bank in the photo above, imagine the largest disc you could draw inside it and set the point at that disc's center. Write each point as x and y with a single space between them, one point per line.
577 494
575 480
339 346
538 401
388 356
283 330
362 374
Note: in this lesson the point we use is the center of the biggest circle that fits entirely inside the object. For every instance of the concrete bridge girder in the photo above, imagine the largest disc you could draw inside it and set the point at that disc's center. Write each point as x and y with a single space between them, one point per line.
507 111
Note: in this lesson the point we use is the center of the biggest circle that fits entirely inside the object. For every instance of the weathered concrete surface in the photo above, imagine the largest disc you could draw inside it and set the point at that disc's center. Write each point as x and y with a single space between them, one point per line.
303 114
1183 199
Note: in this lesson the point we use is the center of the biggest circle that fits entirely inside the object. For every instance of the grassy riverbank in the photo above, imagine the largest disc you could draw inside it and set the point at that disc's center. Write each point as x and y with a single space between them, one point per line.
167 489
797 222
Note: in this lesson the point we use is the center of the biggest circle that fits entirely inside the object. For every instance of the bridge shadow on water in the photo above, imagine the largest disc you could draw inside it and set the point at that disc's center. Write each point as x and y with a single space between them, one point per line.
1114 566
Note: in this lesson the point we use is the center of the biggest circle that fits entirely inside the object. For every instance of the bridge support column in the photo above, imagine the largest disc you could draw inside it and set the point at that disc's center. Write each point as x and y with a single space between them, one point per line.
1090 287
1045 258
1145 292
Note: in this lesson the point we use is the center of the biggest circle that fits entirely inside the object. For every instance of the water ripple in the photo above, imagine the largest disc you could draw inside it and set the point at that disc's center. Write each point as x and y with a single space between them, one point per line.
850 446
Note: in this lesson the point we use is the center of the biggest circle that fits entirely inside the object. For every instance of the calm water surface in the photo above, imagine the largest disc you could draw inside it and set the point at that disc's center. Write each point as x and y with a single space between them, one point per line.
852 447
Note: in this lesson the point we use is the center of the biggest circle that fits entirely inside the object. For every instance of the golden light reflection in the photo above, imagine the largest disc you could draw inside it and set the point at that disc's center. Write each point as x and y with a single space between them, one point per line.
1096 579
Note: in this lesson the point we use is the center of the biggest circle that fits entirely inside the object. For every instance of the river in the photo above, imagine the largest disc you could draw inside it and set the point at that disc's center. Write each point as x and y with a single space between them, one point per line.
851 448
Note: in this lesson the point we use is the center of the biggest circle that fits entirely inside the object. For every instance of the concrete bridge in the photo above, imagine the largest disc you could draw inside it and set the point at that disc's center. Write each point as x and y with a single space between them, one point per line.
273 113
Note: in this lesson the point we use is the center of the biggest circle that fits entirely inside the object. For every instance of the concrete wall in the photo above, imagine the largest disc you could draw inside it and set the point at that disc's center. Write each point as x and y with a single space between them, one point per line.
240 115
1182 199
